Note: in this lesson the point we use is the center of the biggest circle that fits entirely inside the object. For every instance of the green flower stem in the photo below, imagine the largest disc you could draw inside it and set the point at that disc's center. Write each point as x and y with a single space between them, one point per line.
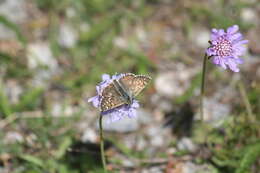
245 99
202 88
102 143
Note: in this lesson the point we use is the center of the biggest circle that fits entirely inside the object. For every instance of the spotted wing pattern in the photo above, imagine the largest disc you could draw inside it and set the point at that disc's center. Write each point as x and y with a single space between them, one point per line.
134 84
110 98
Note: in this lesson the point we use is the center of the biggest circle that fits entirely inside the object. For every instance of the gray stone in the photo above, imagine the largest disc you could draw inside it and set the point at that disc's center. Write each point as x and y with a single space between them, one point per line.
143 116
14 10
157 136
89 135
153 170
186 143
39 53
200 36
249 15
6 33
68 36
174 83
189 167
122 126
163 104
13 91
13 137
215 112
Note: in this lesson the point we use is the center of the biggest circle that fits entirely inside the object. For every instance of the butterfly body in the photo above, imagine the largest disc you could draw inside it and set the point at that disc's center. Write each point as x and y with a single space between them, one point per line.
122 91
125 94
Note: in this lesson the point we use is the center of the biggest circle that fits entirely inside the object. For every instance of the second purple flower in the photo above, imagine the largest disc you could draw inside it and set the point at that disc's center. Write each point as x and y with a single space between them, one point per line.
227 47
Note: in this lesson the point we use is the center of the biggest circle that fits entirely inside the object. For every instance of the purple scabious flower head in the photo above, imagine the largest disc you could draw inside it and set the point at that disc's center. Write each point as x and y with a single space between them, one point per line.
227 47
117 113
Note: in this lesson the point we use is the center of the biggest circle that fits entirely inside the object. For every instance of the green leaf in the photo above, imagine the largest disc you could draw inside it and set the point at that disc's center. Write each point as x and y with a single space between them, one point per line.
32 159
14 28
63 147
5 108
99 28
251 155
29 99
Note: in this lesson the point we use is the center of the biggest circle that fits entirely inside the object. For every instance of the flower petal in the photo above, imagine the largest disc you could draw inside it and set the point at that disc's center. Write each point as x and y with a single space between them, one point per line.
135 104
216 60
222 63
214 34
132 113
238 50
95 101
233 29
210 51
241 42
237 36
232 65
239 60
105 77
221 32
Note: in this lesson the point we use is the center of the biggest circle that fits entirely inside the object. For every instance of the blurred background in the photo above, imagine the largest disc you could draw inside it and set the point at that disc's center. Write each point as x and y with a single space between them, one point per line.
53 53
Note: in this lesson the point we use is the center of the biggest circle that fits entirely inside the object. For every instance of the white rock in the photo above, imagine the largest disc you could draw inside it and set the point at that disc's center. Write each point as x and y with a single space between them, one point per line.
40 78
215 112
174 83
71 12
200 36
186 143
31 139
56 109
89 135
67 36
141 143
120 42
13 137
84 27
141 34
6 33
165 85
128 163
249 15
143 116
163 104
13 91
39 53
157 136
153 170
171 150
5 169
190 167
249 1
157 141
14 10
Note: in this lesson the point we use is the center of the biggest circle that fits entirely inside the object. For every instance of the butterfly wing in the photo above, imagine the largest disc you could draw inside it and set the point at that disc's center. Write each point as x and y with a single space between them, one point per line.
110 98
134 84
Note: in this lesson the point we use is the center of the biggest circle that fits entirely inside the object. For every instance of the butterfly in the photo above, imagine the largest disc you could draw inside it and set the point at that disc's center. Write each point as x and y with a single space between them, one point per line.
122 91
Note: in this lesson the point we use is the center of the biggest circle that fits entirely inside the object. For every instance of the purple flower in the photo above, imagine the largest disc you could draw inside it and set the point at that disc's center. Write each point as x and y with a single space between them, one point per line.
116 113
227 47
